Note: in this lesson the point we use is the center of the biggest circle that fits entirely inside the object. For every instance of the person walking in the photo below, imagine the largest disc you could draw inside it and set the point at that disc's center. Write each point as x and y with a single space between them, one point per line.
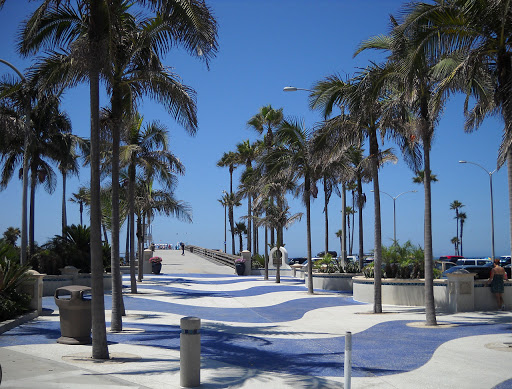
182 248
497 281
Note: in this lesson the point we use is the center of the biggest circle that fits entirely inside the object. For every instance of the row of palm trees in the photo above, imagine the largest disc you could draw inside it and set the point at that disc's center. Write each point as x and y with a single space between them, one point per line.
460 219
111 41
432 51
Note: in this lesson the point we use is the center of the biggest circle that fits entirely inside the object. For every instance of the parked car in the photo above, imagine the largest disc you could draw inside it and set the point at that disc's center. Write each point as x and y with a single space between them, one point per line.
334 254
443 265
505 260
474 262
305 264
298 260
451 258
482 272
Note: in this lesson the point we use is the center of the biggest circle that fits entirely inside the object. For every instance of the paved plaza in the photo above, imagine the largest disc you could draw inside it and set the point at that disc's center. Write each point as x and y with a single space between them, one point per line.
259 334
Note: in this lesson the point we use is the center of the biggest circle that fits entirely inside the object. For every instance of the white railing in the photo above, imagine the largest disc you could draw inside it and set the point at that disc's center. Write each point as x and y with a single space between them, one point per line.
214 255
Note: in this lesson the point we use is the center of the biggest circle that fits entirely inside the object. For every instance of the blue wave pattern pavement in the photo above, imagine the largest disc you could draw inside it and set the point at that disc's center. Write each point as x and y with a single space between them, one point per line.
387 348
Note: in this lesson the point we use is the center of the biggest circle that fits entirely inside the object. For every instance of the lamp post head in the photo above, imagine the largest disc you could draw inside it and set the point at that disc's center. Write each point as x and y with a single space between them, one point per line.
289 89
463 161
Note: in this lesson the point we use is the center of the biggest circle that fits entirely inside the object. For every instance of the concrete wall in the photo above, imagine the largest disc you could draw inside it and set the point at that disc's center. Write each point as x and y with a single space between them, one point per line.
412 293
332 281
50 283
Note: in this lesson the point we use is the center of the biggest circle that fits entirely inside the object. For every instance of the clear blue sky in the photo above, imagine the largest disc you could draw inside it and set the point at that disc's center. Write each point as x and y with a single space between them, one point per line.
264 46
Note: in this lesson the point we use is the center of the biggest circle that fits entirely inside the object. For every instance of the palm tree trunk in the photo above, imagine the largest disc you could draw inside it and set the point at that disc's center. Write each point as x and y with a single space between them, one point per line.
131 212
360 207
241 243
278 254
140 245
266 254
344 223
509 175
64 216
81 213
326 220
99 333
249 214
461 226
377 294
231 224
23 244
33 180
430 308
457 233
105 235
116 321
307 195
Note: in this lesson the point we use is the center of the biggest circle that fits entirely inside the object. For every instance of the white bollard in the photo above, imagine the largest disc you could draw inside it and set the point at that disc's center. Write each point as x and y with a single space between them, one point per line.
190 352
348 359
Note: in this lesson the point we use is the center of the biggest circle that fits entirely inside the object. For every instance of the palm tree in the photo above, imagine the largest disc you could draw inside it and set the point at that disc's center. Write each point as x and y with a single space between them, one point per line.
11 235
339 235
419 178
81 198
470 39
456 205
349 211
265 122
230 160
293 157
146 150
462 218
240 229
371 109
455 242
231 200
246 153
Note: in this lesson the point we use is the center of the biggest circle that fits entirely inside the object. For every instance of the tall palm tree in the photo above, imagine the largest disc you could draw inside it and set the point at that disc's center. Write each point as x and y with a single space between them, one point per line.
146 150
265 122
420 177
293 157
470 40
462 218
455 242
230 160
246 154
231 200
367 98
81 198
240 230
456 205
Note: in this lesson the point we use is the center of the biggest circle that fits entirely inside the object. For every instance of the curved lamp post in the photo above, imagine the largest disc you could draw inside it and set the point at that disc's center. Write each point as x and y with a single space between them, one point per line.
23 251
394 208
492 207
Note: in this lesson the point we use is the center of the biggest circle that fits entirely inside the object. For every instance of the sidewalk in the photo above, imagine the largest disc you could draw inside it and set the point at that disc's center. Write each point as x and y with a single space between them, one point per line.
258 333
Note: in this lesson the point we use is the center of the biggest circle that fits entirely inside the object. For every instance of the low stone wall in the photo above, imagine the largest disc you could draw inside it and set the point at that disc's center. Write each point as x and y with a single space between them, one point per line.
332 281
50 283
271 272
412 293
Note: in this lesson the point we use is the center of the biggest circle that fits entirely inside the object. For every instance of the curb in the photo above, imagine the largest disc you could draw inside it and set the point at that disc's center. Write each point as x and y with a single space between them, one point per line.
10 324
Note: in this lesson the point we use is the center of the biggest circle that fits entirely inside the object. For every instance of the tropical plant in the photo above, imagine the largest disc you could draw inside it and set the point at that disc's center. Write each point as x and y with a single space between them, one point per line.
455 242
81 198
419 178
12 275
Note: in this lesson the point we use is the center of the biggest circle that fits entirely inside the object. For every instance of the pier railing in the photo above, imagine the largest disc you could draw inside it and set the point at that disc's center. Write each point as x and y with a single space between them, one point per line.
214 255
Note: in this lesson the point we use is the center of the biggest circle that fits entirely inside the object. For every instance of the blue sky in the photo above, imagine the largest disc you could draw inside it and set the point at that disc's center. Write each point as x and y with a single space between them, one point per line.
264 46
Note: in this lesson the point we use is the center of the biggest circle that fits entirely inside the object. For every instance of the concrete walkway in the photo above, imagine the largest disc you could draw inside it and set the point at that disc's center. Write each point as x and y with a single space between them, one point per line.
257 333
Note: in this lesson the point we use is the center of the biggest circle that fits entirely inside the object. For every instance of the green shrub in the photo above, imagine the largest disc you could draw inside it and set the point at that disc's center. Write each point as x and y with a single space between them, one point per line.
351 267
403 262
258 261
12 303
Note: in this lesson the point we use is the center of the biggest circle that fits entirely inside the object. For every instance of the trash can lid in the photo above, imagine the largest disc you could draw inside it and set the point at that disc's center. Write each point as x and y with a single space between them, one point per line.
74 288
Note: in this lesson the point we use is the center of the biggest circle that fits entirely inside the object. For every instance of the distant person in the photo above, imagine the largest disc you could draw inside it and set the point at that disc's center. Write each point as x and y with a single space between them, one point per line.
497 281
182 248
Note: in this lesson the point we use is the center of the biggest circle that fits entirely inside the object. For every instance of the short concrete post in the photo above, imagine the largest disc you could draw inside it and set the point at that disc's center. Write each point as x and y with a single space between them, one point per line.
146 265
348 360
248 265
190 352
461 291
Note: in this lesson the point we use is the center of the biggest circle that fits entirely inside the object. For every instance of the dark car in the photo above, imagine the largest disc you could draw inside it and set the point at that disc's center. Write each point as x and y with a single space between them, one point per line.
298 260
334 254
482 272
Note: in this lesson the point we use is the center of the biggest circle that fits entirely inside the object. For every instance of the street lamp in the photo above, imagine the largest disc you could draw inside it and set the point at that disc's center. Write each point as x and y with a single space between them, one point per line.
394 208
23 251
294 89
225 234
492 207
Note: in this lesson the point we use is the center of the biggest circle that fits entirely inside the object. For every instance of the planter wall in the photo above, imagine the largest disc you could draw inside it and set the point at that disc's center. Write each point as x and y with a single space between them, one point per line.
412 293
50 283
271 272
332 281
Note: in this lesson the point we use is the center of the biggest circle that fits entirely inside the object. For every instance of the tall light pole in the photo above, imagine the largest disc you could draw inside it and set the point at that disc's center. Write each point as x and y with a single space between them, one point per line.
492 206
394 209
225 226
23 251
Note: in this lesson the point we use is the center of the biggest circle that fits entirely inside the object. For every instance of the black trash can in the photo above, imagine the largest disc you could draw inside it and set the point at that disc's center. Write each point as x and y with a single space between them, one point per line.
75 314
